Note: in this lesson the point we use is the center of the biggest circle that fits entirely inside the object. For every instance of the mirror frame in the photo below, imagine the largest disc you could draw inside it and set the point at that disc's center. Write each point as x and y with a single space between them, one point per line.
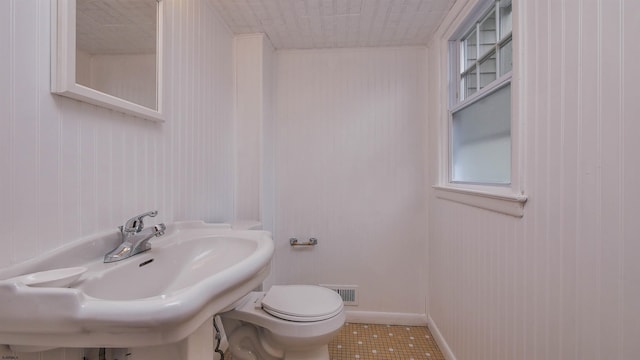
63 65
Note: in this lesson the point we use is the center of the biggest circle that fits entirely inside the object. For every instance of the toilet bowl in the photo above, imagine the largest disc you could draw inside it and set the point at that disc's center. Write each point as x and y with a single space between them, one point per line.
291 322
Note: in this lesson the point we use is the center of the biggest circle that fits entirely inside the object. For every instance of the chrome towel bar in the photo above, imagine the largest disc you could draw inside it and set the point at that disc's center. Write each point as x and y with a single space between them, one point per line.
311 242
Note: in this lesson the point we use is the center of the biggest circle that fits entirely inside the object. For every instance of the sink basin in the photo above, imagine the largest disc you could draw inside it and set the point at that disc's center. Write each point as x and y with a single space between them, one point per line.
161 296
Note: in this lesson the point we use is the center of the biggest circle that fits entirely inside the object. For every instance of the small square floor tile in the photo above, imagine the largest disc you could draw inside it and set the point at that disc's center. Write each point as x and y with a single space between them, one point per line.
376 342
382 342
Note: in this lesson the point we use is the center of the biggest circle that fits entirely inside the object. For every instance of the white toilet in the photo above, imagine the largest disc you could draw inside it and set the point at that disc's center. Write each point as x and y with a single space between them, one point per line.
291 322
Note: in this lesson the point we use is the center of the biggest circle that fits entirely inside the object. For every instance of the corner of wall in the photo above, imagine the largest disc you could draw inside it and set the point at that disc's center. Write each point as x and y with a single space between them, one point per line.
440 340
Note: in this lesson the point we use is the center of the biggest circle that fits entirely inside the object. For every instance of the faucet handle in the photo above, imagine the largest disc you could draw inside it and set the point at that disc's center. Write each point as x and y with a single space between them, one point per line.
135 224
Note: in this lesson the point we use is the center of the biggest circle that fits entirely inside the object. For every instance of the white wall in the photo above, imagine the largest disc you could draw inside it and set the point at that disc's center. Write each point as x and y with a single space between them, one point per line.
268 128
351 171
71 169
563 282
253 96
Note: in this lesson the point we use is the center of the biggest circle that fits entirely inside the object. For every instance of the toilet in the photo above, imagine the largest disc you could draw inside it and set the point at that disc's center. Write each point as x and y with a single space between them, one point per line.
290 322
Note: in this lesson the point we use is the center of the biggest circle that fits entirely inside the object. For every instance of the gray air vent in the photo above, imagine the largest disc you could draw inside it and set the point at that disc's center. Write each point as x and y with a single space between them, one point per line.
348 293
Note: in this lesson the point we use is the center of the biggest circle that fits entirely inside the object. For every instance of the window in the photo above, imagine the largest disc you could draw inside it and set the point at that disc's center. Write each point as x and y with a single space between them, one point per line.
480 112
485 52
480 140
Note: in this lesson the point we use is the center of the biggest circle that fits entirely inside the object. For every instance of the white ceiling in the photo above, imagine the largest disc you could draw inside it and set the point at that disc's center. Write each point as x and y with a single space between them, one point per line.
300 24
128 26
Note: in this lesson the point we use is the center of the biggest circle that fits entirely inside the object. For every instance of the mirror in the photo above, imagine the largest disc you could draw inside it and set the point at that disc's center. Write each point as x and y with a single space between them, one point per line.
107 52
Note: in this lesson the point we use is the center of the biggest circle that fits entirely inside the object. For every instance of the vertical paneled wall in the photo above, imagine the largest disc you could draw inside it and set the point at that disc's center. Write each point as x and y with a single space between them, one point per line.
563 282
71 169
268 167
254 92
350 171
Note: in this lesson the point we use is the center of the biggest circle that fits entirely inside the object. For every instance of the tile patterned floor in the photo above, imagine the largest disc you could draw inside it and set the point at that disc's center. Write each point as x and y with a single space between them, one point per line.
376 342
382 342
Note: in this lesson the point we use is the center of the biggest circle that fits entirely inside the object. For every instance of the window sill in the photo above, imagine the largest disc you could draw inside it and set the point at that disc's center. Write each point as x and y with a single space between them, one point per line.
509 204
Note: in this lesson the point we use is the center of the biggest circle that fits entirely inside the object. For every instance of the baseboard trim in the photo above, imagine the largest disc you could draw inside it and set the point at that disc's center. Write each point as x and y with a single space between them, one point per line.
442 343
386 318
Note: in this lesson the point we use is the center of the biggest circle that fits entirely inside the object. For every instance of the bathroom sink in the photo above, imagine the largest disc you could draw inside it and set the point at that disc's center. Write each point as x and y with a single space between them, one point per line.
161 296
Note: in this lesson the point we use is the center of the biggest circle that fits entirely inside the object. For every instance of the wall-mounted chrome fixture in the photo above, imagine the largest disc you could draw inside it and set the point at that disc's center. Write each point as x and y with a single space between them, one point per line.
311 242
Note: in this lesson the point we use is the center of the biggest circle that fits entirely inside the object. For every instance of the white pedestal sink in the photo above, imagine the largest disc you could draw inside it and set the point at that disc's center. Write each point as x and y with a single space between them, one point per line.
158 297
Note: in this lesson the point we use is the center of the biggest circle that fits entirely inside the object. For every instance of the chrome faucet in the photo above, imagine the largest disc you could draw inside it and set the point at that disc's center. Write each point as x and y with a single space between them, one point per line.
135 238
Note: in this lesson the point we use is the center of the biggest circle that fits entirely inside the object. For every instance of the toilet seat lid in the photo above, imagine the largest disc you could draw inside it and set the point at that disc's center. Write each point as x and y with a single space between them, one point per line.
302 302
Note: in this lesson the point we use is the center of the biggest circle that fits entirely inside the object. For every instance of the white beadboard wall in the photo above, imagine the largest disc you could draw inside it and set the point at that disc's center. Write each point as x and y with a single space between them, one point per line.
563 282
71 169
254 93
351 171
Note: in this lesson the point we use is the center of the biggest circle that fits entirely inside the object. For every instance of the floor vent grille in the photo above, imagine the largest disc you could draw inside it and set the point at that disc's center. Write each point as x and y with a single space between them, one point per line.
348 293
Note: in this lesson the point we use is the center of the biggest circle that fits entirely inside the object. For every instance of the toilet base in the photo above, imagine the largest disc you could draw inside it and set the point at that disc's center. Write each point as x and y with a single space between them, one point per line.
255 334
318 353
245 344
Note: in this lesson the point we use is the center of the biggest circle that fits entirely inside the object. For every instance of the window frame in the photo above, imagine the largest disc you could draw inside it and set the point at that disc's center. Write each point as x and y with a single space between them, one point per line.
503 198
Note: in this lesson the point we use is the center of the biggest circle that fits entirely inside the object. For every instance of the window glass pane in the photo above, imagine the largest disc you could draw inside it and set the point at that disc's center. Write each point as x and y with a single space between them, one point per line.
470 81
506 62
470 53
481 140
488 36
488 70
505 18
